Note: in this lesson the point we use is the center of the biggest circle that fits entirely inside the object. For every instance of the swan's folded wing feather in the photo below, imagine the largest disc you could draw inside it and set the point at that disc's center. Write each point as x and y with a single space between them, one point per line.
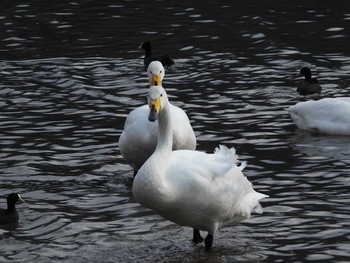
201 164
139 137
183 134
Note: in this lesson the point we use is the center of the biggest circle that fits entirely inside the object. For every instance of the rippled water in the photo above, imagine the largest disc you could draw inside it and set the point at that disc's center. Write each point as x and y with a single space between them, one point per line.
71 72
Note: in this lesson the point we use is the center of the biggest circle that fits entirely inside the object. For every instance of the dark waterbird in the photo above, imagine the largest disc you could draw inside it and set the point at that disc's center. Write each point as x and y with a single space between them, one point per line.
310 85
10 215
164 59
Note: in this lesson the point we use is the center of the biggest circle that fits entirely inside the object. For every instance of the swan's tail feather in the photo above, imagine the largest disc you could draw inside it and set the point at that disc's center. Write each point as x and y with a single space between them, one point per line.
228 153
225 151
250 203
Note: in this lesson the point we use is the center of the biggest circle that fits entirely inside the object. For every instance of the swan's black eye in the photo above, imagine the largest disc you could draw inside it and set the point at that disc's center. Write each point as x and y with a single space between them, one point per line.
161 71
161 94
151 72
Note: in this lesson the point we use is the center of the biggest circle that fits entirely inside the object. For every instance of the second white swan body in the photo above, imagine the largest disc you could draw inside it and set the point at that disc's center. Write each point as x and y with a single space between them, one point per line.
139 137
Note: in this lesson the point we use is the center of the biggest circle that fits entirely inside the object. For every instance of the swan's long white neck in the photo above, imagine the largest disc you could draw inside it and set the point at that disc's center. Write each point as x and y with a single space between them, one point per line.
165 134
149 187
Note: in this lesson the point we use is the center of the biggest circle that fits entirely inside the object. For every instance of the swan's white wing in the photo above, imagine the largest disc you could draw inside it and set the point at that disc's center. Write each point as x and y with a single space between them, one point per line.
139 137
196 163
200 184
216 176
183 134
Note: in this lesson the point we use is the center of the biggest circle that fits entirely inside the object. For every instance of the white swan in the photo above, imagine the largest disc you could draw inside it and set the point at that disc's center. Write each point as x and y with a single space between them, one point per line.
192 188
329 115
139 137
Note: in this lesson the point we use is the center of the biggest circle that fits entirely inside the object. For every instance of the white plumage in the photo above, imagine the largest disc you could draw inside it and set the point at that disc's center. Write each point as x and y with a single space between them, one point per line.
329 115
139 137
192 188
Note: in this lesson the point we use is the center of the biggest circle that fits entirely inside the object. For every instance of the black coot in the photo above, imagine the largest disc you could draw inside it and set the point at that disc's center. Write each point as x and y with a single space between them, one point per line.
164 59
10 215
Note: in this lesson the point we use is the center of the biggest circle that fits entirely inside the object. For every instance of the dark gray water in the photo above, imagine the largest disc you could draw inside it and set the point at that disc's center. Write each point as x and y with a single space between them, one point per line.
71 72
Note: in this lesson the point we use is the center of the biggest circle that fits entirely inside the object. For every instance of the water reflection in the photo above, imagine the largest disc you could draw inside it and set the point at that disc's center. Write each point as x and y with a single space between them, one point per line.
318 145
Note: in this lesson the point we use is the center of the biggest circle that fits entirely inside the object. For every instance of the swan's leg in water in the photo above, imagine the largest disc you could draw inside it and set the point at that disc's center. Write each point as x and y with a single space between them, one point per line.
197 237
208 241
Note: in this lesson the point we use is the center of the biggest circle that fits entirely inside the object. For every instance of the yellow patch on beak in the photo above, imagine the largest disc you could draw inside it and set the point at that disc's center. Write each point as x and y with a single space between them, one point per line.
154 106
156 80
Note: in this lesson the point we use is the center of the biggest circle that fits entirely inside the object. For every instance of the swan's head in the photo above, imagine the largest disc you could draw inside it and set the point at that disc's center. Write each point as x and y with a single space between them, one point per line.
155 72
157 99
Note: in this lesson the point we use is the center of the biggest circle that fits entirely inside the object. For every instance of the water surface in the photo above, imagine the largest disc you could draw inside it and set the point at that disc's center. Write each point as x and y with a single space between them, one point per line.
71 72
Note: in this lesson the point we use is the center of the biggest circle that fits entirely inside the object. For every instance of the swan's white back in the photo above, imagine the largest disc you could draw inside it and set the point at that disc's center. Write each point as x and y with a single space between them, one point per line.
329 115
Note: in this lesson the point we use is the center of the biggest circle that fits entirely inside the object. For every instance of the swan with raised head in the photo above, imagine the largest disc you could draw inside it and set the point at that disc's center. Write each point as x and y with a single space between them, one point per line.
309 85
328 115
192 188
139 137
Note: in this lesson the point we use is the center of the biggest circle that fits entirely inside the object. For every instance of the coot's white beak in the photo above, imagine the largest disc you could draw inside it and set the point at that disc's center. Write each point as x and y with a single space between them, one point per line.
20 199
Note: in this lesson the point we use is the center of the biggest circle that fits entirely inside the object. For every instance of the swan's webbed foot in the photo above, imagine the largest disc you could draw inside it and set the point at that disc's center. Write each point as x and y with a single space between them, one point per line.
208 241
197 237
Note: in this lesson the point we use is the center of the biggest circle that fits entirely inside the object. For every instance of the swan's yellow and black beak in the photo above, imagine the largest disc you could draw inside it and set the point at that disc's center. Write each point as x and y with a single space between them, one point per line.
156 80
154 106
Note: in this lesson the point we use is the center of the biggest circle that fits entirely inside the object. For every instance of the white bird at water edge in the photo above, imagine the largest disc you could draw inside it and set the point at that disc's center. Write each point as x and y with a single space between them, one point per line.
192 188
328 115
